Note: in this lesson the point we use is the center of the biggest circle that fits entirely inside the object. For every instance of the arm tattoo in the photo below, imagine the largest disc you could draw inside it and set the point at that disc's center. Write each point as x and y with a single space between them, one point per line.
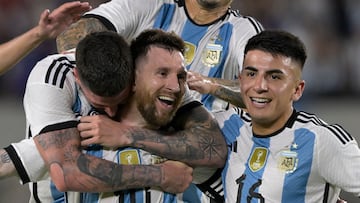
198 142
5 157
77 31
7 168
120 176
82 172
232 84
229 95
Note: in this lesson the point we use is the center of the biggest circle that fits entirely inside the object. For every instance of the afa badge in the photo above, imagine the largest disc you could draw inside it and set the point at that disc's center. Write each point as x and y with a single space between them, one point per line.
258 159
189 52
129 157
287 161
212 54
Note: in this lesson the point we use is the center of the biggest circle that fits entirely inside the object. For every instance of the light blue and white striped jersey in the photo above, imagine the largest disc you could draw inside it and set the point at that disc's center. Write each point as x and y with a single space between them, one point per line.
214 50
147 195
54 101
306 161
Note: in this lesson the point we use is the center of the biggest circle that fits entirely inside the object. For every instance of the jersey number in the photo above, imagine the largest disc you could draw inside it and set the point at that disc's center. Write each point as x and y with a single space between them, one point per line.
252 193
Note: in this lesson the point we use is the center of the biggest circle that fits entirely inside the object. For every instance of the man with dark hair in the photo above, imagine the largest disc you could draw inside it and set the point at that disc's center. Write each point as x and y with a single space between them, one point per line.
59 142
59 91
279 154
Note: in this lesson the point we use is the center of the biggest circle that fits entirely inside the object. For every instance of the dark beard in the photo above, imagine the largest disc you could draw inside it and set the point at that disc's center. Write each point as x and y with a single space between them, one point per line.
208 5
146 107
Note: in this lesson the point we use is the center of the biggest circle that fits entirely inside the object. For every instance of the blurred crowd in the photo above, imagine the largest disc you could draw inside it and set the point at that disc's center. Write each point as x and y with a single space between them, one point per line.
329 28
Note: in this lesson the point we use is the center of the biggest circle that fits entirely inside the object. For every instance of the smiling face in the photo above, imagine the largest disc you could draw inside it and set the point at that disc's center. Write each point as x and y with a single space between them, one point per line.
269 86
159 84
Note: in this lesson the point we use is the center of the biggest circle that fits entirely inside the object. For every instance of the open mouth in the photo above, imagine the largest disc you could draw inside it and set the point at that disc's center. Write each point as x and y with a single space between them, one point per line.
260 100
166 100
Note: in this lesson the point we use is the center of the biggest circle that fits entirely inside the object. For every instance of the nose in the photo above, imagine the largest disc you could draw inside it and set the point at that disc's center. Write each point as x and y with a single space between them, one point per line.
111 111
173 84
260 84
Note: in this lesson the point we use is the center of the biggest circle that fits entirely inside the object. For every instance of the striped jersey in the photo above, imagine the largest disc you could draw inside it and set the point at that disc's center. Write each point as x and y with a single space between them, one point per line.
214 50
307 160
54 101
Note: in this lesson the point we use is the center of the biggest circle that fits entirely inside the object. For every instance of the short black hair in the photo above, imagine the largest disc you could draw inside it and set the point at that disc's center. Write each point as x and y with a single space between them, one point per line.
278 42
104 63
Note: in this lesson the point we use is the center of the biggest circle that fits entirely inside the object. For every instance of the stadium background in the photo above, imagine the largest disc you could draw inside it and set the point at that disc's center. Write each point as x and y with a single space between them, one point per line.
329 28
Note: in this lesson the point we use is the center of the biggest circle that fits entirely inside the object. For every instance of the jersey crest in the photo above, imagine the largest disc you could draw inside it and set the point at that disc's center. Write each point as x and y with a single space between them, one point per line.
258 158
212 54
287 161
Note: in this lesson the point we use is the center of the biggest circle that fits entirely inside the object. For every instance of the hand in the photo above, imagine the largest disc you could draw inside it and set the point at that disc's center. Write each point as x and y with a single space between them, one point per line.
100 129
199 83
52 24
176 176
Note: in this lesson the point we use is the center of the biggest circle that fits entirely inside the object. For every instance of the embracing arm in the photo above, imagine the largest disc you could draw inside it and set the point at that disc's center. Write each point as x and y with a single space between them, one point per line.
72 170
7 168
227 90
196 140
77 31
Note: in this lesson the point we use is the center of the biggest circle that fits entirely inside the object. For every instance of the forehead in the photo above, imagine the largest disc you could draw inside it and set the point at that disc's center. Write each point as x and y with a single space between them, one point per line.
162 57
99 101
262 60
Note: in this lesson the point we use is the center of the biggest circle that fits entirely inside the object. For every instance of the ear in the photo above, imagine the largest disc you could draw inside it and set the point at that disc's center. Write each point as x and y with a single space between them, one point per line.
76 74
299 90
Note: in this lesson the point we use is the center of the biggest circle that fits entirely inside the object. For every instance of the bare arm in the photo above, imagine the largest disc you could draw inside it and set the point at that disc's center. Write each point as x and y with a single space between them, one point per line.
7 168
197 139
227 90
49 26
72 170
77 31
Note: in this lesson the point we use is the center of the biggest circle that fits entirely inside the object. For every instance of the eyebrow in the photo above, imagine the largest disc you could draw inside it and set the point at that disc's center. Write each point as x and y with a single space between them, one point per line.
278 71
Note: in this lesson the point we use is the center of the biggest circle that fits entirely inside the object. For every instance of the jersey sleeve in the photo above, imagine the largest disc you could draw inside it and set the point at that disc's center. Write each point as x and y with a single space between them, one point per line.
128 17
50 94
339 159
48 99
27 161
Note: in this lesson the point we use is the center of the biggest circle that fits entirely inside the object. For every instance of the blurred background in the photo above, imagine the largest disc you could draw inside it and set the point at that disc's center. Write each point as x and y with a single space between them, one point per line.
329 28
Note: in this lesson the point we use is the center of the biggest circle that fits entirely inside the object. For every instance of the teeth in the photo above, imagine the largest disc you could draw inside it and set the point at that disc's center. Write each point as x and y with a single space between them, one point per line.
165 98
260 100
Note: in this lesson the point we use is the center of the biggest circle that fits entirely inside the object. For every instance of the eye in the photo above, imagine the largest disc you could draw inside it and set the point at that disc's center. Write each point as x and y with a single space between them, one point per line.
182 76
250 73
163 73
275 77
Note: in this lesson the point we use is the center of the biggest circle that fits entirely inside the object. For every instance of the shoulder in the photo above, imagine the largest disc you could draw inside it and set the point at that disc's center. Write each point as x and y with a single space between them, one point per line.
53 69
244 23
321 129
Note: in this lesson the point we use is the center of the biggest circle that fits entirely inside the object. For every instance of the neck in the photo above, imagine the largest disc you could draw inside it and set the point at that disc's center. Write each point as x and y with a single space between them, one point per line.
201 15
263 127
130 116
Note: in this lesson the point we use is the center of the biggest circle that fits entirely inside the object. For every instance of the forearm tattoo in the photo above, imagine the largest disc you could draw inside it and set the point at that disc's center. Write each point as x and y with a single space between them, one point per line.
120 176
88 173
4 156
76 32
195 145
229 95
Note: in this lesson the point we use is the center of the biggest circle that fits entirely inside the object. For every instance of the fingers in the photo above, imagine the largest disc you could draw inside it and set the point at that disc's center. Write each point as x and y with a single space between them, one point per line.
45 15
177 176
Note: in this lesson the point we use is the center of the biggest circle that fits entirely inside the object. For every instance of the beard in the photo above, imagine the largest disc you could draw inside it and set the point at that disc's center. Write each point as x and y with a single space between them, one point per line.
146 105
211 4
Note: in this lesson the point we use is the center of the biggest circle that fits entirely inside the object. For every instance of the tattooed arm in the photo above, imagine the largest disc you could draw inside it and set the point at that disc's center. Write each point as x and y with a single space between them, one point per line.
77 31
72 170
197 139
227 90
7 168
